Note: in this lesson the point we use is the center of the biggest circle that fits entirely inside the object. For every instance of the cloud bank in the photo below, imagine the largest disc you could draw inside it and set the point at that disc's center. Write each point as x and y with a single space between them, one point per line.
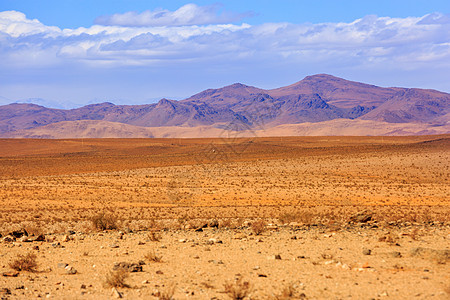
189 14
369 40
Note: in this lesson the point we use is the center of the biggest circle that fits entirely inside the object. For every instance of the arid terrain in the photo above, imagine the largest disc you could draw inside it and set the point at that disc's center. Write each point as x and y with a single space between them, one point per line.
236 218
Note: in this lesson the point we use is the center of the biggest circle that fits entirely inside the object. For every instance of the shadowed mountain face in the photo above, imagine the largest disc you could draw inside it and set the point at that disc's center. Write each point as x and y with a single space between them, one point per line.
315 99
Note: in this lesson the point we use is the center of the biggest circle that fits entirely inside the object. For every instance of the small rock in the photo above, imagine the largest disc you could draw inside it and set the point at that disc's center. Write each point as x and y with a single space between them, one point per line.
367 251
62 265
11 274
396 254
38 238
65 238
361 217
18 233
182 240
9 239
113 246
256 268
83 286
130 267
274 257
116 293
70 270
24 239
145 282
159 272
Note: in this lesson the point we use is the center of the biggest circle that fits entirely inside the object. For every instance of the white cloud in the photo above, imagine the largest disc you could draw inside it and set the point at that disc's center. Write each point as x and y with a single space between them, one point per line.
189 14
371 40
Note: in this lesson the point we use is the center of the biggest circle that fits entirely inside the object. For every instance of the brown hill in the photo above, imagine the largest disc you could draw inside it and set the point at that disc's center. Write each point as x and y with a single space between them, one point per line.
239 107
104 129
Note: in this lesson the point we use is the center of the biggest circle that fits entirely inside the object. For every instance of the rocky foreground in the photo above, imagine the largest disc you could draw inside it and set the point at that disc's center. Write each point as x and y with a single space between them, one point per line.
256 260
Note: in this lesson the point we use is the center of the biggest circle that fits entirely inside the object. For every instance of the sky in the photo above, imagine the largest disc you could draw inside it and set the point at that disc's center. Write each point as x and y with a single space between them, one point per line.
68 53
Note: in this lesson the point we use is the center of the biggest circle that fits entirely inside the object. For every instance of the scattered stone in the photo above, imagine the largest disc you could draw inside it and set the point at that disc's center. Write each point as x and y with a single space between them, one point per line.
116 293
9 239
37 238
18 233
70 270
57 245
367 251
10 274
395 254
35 248
361 217
214 224
274 257
24 239
66 238
5 291
130 267
62 265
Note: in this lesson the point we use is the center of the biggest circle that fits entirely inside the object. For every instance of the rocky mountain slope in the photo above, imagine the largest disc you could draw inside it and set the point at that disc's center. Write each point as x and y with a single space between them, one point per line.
314 100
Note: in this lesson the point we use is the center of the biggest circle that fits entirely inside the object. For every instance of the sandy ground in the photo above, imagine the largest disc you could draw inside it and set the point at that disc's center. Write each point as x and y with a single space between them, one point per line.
206 200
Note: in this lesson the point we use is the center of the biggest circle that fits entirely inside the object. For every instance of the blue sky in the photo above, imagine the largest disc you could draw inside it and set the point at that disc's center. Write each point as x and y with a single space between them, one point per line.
74 52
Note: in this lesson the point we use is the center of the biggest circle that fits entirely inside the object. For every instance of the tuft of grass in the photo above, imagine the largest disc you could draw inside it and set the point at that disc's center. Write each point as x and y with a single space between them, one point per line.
104 221
238 290
288 292
117 278
258 227
167 293
152 256
25 262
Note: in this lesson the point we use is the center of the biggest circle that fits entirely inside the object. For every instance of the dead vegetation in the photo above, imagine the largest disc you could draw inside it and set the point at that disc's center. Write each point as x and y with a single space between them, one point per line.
152 256
238 290
117 278
26 262
104 221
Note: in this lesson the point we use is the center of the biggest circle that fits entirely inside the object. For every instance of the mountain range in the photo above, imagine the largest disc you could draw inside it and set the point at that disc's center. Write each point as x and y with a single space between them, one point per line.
317 105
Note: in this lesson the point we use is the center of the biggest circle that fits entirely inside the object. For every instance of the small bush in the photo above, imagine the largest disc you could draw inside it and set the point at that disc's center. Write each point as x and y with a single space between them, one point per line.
24 263
104 221
238 290
153 257
117 278
258 227
167 293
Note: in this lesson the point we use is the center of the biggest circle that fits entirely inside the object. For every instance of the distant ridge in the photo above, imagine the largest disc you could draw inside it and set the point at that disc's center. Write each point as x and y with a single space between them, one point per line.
312 102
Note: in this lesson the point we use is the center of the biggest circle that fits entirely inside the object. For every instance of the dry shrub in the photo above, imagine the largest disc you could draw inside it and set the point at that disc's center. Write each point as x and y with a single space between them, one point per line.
238 290
117 278
25 262
258 227
104 221
226 223
153 257
288 292
304 217
167 293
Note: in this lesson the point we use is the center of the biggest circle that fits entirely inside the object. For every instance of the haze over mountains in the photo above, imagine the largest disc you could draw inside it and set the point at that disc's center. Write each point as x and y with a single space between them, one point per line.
318 105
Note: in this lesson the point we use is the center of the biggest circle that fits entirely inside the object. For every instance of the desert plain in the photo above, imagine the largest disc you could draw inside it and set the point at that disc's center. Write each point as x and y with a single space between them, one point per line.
232 218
